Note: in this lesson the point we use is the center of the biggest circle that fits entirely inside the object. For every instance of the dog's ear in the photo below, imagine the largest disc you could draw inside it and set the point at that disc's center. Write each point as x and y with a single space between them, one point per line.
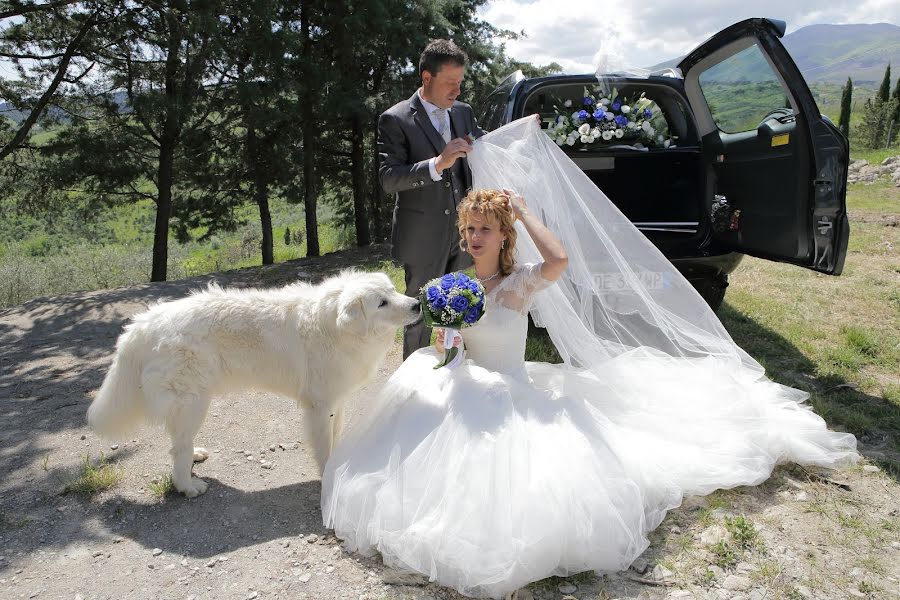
351 314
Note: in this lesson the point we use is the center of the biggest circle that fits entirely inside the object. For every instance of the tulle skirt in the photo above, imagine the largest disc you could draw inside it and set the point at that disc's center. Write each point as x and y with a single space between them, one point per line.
485 482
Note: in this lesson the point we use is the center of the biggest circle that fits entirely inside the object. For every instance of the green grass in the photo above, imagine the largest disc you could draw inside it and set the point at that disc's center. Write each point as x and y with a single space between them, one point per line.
93 478
45 264
161 486
742 531
835 337
874 157
725 555
881 197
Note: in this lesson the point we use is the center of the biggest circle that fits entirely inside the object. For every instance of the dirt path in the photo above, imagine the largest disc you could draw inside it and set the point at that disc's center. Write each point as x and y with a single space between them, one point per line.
257 532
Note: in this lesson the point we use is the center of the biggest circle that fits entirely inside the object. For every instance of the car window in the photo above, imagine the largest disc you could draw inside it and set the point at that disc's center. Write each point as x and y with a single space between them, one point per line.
491 116
742 90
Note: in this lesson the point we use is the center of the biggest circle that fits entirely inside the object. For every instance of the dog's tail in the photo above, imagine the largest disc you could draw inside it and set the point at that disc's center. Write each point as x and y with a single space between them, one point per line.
118 407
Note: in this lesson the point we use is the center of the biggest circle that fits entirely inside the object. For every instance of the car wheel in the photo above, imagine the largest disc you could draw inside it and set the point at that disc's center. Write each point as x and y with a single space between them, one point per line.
712 290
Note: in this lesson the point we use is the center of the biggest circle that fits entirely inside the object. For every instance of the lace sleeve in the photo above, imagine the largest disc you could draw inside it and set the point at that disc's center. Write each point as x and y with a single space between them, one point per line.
520 287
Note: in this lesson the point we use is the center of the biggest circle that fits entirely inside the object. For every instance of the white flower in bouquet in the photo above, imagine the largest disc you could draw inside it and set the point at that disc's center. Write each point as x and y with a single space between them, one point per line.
625 109
607 135
646 126
631 125
604 101
660 138
595 132
586 139
609 116
567 103
560 141
619 133
570 141
667 143
584 129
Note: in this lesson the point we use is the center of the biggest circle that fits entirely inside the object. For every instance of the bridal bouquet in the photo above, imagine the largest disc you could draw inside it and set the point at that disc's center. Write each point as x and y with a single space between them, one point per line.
454 301
606 120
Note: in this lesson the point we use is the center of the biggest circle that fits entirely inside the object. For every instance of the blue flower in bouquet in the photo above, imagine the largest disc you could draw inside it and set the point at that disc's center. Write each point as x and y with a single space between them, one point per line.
445 300
582 114
648 113
621 120
588 100
454 301
617 105
459 303
599 114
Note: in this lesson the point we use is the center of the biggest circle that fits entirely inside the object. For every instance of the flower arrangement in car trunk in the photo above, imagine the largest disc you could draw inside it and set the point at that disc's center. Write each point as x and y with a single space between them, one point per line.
608 120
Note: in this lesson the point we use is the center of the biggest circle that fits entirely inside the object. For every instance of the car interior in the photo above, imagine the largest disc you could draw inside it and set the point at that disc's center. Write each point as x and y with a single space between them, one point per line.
670 205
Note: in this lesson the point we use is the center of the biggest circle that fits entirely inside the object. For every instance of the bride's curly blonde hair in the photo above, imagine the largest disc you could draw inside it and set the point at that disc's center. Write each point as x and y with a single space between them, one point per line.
492 205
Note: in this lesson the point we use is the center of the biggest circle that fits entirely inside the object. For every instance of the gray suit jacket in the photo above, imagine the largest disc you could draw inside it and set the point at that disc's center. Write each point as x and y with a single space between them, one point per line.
425 210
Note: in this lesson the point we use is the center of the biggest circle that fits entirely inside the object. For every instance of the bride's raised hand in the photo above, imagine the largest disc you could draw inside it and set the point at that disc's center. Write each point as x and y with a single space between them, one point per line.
517 202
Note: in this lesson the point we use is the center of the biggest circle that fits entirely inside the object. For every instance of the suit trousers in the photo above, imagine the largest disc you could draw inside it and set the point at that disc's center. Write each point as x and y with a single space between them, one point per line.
418 335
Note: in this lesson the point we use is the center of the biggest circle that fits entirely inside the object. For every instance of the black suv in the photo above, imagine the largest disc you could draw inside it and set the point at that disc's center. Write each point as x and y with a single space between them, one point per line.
755 169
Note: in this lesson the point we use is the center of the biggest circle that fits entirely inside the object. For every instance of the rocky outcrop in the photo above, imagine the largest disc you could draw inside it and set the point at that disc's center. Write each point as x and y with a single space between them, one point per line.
860 171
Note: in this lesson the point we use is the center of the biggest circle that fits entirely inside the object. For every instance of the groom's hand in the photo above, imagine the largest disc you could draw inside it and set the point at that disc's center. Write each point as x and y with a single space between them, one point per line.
455 148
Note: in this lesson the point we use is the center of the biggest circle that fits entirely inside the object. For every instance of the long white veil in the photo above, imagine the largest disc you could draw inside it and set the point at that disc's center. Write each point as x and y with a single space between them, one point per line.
619 293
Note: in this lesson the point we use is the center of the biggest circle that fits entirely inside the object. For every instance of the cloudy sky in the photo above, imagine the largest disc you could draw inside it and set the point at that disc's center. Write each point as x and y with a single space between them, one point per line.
581 35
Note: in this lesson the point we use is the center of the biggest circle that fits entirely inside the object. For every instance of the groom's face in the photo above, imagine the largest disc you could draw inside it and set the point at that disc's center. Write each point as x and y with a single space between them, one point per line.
443 88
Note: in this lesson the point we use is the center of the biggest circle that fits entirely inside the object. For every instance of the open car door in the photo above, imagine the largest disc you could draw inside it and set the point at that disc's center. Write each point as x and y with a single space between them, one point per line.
777 168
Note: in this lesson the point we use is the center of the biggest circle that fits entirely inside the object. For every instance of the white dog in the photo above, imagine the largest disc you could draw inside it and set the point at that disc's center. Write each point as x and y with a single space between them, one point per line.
313 343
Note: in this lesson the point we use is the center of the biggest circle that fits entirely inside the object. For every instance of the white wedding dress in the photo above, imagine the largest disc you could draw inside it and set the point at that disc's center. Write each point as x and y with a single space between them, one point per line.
503 472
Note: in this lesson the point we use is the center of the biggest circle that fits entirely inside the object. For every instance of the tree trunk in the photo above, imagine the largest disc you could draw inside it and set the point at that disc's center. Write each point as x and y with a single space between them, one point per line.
167 142
358 175
261 195
265 219
309 134
375 198
309 184
163 211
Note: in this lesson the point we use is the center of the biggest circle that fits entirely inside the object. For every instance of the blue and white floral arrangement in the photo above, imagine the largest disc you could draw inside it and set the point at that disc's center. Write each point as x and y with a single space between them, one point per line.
605 120
454 301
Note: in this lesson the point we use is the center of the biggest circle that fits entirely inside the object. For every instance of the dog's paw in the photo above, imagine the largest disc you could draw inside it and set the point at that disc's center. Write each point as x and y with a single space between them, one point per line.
200 454
193 489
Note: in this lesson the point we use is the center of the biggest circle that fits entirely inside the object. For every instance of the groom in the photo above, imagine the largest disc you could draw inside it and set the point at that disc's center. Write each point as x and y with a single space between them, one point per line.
422 143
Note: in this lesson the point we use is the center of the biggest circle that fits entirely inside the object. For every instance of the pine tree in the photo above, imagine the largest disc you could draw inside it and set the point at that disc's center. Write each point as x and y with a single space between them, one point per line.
896 98
47 48
884 92
846 99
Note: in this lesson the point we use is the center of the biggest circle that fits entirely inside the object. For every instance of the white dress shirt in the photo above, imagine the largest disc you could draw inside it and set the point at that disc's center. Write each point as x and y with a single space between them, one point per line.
430 108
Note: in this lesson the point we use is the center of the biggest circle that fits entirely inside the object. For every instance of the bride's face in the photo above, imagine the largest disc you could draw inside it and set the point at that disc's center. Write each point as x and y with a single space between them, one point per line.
483 236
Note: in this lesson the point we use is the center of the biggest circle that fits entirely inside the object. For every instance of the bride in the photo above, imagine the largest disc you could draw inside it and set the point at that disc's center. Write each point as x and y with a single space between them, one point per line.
502 472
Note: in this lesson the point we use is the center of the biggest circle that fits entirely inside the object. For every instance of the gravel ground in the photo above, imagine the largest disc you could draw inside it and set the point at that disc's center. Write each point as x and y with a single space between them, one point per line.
257 532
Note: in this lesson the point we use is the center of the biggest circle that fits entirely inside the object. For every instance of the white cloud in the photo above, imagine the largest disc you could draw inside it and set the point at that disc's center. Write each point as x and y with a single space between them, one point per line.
577 34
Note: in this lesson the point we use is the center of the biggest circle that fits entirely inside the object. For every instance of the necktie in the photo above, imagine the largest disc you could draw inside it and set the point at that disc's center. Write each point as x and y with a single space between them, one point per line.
444 128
